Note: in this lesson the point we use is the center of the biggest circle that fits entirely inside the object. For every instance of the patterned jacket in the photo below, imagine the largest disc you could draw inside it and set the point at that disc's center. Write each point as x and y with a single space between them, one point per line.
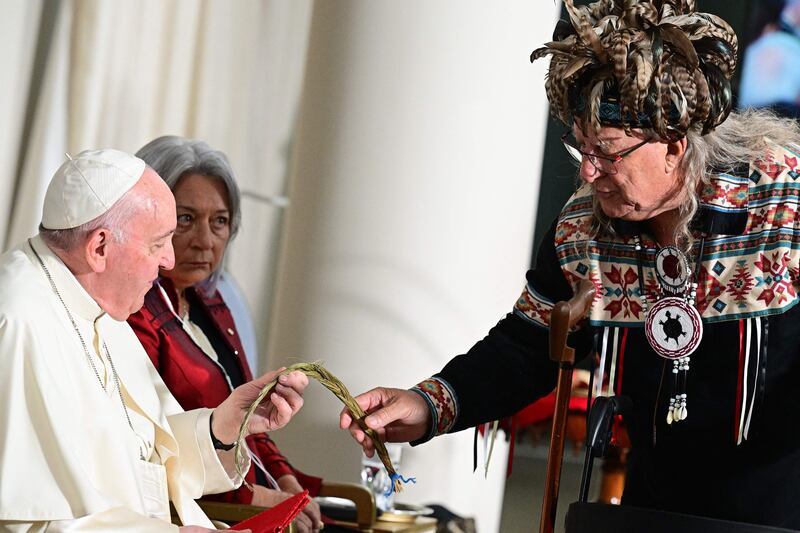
735 456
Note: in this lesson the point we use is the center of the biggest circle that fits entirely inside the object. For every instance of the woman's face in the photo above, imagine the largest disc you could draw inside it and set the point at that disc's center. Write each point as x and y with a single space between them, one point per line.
647 182
203 229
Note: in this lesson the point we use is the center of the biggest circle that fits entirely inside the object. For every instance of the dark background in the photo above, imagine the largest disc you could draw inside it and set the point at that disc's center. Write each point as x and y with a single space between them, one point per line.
559 174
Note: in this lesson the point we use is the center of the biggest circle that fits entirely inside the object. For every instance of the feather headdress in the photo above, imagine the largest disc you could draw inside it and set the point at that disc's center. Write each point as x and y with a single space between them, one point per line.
641 64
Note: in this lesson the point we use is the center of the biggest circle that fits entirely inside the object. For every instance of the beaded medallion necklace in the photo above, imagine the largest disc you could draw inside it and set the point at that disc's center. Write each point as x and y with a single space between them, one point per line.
673 326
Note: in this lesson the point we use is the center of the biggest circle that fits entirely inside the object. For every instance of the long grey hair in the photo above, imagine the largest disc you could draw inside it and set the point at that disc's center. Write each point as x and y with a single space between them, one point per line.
742 138
174 157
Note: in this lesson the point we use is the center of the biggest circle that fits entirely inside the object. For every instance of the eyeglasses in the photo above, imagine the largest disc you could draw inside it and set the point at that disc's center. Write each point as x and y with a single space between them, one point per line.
605 163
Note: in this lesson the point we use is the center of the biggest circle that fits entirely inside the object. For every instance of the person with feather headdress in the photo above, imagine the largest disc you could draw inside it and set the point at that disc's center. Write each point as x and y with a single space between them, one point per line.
685 220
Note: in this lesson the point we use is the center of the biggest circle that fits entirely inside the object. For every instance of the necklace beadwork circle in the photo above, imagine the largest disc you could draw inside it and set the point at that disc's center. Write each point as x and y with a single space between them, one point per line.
673 328
672 269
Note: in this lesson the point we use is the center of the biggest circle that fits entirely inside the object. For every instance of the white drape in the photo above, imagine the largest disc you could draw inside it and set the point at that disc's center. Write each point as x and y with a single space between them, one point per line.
19 27
118 74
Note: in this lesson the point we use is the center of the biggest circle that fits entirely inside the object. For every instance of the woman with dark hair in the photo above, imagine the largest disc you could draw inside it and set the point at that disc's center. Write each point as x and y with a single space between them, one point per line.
685 221
186 327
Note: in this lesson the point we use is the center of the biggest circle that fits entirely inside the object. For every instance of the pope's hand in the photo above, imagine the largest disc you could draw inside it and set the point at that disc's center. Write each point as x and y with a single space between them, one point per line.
274 412
397 415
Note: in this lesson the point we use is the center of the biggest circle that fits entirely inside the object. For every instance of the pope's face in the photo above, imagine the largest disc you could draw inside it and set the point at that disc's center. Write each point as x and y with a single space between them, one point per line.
134 263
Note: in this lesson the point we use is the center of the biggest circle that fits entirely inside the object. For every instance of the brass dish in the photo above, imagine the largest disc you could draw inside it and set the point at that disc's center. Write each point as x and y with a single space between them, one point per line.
405 513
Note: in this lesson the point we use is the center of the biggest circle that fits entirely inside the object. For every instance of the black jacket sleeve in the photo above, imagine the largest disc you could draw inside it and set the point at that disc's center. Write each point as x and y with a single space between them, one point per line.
510 367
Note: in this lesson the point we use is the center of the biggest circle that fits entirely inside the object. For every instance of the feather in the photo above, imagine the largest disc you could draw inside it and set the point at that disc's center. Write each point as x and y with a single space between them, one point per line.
565 45
594 104
686 85
598 10
678 100
666 103
608 24
619 57
647 12
721 96
575 66
574 15
678 41
587 34
540 53
563 30
703 107
630 12
644 75
656 44
658 92
717 51
686 22
726 32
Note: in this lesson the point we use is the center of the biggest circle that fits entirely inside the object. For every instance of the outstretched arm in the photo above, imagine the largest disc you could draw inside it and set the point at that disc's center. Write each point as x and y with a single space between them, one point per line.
501 374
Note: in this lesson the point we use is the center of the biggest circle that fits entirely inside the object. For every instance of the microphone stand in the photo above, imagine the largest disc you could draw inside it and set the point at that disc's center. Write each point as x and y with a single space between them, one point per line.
598 434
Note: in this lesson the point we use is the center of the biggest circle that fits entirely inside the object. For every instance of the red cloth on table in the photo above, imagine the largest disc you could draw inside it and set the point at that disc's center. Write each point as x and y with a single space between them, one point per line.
276 519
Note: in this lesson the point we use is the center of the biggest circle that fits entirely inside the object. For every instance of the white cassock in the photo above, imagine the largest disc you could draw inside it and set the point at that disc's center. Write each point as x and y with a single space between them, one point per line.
69 458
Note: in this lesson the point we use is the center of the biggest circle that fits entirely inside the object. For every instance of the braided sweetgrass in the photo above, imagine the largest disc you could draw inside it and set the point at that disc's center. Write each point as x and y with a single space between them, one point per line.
332 383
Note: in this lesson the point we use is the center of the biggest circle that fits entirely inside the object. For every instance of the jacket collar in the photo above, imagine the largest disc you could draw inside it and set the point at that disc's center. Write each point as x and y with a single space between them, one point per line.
169 290
192 293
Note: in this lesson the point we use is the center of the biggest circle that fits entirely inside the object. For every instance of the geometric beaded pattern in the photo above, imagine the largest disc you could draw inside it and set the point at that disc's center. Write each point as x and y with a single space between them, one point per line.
441 398
741 276
534 307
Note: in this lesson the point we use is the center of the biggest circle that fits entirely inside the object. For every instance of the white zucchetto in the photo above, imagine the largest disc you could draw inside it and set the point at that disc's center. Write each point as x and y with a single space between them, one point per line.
87 185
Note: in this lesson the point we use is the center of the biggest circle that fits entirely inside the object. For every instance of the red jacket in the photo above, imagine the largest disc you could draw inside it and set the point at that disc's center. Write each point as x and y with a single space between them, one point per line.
197 381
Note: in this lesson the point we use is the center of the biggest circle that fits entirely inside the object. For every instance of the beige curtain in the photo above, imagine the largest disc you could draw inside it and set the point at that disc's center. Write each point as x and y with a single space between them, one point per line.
97 73
19 29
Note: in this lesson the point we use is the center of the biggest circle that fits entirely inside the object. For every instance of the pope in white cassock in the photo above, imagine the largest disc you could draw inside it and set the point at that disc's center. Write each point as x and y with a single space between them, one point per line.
90 437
